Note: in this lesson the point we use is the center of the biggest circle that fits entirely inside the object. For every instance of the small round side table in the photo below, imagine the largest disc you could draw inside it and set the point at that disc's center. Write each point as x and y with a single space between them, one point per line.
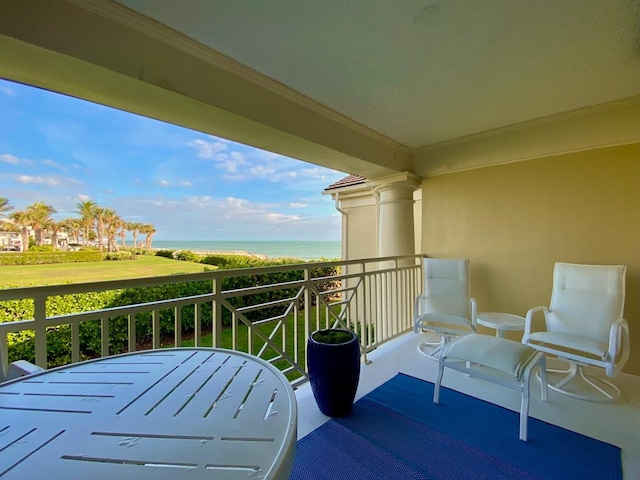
501 322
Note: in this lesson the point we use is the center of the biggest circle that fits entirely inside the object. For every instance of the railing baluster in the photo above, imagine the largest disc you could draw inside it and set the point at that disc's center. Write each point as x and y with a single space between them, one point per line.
75 342
308 329
216 312
40 317
4 356
155 328
131 327
177 319
104 337
234 331
197 325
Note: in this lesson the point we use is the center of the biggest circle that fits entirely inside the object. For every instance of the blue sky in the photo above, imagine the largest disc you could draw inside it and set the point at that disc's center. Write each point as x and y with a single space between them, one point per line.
189 185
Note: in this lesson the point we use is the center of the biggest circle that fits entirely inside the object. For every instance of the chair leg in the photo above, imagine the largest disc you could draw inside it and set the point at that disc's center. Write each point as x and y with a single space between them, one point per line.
524 404
543 378
574 382
437 347
436 389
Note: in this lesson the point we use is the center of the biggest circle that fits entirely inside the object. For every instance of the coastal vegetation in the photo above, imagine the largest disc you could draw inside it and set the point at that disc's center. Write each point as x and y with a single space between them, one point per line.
21 345
95 226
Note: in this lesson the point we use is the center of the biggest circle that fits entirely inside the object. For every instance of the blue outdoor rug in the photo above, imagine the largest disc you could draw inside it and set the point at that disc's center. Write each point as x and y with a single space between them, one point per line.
396 432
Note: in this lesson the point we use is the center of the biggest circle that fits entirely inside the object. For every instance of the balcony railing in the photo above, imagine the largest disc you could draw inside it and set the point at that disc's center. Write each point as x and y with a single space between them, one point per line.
374 297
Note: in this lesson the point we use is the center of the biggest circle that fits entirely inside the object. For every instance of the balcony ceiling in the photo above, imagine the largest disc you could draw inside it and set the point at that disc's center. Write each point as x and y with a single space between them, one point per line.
421 72
370 87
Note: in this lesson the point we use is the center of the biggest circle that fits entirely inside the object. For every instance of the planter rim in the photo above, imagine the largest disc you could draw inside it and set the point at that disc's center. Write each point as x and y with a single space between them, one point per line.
354 337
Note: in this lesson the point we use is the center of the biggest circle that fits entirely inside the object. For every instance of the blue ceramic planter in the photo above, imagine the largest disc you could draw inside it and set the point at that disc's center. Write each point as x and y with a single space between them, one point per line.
334 371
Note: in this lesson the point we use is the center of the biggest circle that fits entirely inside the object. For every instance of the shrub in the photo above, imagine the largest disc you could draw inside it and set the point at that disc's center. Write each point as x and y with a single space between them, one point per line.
41 258
186 256
124 255
41 249
165 253
21 345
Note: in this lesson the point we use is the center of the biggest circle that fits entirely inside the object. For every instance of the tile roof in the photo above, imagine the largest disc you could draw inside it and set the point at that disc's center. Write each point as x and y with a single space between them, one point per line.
347 182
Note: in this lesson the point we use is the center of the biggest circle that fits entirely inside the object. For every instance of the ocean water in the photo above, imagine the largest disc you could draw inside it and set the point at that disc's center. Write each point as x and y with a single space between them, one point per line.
303 250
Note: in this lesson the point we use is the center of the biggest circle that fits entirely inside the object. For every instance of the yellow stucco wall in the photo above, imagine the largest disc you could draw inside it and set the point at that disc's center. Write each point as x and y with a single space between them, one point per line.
515 221
362 234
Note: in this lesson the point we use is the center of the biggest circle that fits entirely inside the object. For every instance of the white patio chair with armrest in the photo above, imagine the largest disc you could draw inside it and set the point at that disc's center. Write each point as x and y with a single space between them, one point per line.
446 307
584 326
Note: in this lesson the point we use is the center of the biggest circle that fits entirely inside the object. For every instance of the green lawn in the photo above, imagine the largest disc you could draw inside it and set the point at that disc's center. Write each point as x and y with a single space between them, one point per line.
143 266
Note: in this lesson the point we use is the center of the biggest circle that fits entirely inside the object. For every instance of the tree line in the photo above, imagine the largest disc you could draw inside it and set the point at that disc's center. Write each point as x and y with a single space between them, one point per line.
96 225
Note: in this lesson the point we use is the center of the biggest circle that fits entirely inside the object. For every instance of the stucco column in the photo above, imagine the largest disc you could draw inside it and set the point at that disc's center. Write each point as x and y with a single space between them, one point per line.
396 234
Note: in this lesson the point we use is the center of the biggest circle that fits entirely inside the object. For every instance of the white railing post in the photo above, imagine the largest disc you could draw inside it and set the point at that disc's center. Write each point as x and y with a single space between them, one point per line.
104 337
307 306
131 329
4 356
216 313
40 329
197 326
75 343
177 321
155 328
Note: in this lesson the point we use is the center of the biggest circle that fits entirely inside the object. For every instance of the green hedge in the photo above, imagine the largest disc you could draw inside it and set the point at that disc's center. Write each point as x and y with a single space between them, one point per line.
21 346
41 258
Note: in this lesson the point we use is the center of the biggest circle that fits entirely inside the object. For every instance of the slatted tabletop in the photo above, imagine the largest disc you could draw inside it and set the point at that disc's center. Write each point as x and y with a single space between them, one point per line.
163 414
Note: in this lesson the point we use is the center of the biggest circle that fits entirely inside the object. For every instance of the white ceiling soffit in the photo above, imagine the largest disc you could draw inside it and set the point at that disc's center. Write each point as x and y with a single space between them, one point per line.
422 72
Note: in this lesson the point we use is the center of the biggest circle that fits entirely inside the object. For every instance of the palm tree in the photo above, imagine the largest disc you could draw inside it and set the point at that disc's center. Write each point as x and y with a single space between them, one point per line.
55 228
100 215
87 210
111 222
4 207
124 227
73 226
135 231
149 230
21 219
39 215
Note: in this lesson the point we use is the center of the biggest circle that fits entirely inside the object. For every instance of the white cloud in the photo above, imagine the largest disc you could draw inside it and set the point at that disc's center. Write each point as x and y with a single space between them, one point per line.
50 163
7 91
81 197
230 218
298 205
28 179
208 149
169 183
282 218
14 160
11 159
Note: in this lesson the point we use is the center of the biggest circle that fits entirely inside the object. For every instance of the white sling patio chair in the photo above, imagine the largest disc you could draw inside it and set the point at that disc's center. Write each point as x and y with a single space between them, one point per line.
584 327
446 307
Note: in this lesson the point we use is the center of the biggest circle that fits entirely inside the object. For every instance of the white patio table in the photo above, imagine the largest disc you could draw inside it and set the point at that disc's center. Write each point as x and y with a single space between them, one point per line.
163 414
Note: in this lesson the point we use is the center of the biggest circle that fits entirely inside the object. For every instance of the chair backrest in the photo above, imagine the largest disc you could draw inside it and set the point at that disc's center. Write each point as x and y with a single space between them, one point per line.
446 287
586 299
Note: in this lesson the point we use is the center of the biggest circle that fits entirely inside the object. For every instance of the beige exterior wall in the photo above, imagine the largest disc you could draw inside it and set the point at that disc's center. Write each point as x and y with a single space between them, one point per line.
515 221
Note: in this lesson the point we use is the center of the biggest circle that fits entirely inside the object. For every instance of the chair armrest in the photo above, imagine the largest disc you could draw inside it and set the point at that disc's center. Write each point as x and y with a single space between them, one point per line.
618 342
21 368
529 319
474 315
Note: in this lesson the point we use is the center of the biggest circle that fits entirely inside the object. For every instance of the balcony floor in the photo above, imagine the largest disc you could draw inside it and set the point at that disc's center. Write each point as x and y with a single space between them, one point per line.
617 423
